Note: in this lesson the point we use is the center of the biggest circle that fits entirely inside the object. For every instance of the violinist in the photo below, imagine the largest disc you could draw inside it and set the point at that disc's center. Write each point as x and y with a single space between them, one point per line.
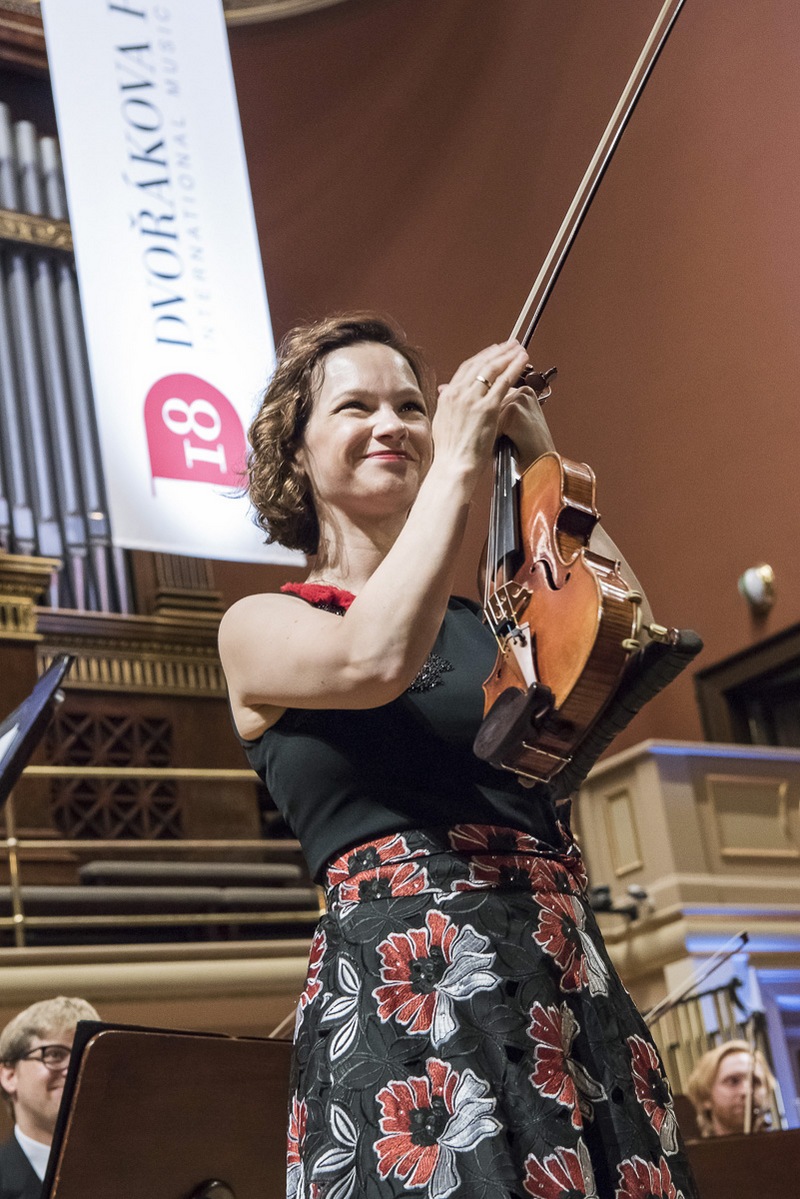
462 1031
724 1082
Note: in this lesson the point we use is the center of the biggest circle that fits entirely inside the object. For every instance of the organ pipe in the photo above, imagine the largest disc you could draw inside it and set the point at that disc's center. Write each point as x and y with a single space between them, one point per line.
52 493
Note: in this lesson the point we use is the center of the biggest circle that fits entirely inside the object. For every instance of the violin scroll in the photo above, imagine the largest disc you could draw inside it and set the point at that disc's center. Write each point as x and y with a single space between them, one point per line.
539 381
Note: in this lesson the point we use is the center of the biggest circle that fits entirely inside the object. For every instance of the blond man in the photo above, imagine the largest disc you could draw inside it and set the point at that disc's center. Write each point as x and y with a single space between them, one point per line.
721 1084
35 1050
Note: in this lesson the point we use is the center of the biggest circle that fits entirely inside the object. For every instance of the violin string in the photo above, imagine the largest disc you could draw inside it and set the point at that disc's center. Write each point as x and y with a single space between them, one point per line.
491 545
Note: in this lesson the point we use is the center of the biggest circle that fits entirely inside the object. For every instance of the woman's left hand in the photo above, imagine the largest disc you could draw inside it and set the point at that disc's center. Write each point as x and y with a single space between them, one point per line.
522 421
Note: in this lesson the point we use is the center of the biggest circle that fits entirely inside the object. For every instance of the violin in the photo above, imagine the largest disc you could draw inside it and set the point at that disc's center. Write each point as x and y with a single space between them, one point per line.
566 621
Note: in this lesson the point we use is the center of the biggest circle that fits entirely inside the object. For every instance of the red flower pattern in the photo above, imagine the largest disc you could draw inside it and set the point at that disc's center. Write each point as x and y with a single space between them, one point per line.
640 1179
653 1092
369 856
313 985
425 969
297 1130
387 881
491 838
427 1120
561 934
412 964
298 1119
556 1075
566 1174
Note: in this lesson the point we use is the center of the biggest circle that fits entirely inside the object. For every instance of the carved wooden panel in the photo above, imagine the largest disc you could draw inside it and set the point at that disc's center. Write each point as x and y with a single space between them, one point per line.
752 817
623 833
113 808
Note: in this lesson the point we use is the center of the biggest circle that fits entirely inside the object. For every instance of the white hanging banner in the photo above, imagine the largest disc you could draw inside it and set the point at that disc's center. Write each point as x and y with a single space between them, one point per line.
172 289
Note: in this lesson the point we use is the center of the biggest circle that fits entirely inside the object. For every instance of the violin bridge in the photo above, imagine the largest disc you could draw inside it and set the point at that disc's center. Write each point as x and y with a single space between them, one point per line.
506 605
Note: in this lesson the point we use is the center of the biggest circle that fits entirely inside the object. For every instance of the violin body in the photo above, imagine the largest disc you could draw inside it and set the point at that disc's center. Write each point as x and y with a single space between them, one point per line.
566 622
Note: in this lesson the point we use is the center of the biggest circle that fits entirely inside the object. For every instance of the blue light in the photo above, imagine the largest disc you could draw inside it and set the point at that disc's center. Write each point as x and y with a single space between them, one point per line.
705 750
707 943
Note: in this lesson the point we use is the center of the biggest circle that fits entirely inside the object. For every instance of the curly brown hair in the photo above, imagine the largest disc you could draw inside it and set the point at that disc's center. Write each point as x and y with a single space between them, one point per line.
277 485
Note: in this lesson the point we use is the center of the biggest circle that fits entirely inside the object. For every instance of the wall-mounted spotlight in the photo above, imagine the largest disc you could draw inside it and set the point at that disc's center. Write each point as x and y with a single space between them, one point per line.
757 585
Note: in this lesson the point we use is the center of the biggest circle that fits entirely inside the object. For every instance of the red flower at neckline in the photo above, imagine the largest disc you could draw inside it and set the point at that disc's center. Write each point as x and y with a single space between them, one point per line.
320 593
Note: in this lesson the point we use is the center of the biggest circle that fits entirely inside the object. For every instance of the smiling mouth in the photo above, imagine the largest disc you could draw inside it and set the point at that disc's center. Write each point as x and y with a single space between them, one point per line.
392 455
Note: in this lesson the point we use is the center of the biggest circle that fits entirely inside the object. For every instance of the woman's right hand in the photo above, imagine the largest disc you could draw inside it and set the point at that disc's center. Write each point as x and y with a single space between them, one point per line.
469 410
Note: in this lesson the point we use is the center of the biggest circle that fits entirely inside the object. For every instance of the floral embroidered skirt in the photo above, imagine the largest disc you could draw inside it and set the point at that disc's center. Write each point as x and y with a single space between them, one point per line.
463 1033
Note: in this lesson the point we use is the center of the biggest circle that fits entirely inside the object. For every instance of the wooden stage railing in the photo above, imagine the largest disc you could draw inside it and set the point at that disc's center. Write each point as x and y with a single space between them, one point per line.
302 903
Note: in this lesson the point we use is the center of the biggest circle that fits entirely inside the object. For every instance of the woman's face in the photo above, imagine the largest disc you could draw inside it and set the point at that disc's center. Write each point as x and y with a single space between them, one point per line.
367 445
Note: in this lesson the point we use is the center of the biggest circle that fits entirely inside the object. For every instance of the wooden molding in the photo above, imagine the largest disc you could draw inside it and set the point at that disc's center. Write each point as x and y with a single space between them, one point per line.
153 655
23 580
23 228
248 12
22 36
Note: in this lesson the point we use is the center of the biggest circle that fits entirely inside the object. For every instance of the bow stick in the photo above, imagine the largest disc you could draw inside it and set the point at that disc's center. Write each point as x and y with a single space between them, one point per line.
735 945
551 268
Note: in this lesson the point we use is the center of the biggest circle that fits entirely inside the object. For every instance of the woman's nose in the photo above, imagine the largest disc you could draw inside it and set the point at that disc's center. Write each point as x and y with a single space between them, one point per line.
389 423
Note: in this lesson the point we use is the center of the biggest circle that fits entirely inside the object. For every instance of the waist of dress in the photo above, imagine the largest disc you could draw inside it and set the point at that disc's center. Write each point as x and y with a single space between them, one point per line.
464 857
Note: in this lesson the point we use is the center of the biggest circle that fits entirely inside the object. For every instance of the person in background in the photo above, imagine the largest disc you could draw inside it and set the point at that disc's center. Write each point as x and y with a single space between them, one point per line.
719 1086
35 1049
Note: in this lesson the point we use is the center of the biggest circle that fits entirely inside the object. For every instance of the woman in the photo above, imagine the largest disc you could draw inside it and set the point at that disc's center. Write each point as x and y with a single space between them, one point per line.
462 1032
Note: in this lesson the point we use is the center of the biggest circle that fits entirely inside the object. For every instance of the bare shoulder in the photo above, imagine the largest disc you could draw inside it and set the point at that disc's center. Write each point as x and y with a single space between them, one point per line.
255 648
259 621
279 652
248 616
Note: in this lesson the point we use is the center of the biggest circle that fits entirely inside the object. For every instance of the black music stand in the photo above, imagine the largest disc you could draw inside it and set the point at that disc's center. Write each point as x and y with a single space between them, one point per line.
21 732
152 1114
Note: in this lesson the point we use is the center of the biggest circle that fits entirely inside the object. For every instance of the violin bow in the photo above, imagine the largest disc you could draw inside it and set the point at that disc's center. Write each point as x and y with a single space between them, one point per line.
684 989
551 268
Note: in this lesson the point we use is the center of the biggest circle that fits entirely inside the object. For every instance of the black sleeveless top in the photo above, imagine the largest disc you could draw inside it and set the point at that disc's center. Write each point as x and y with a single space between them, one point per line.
341 777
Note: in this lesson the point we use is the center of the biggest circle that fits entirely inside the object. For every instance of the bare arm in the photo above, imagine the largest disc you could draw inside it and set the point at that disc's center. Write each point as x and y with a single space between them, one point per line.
278 652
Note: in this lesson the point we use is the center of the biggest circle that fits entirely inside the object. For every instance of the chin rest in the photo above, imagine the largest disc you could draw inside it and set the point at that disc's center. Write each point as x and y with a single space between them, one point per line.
649 671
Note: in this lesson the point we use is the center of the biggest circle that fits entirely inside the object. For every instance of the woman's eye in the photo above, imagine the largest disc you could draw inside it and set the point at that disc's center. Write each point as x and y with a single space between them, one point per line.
415 406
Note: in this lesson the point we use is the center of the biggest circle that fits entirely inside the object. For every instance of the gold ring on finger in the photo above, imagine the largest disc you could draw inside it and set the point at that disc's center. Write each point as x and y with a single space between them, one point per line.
485 382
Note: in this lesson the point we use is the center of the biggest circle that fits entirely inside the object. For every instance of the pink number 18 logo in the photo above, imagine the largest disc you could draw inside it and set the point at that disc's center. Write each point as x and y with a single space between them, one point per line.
193 432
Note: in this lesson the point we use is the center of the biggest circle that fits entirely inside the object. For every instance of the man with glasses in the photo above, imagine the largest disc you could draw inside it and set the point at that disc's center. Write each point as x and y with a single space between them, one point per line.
34 1055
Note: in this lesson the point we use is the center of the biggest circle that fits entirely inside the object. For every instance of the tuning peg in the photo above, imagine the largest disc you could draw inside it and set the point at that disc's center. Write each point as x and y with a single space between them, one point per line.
539 381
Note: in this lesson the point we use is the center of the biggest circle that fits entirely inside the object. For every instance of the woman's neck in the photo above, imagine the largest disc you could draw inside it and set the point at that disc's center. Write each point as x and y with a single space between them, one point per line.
349 554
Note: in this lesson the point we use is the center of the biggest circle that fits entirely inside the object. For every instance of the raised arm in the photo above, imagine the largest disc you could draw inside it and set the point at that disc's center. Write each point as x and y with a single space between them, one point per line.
279 652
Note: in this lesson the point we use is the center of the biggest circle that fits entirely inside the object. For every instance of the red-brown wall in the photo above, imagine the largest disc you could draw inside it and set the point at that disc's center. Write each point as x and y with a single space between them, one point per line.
418 158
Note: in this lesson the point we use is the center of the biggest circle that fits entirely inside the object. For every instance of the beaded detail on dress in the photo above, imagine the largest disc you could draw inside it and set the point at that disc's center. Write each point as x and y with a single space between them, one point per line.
430 673
333 599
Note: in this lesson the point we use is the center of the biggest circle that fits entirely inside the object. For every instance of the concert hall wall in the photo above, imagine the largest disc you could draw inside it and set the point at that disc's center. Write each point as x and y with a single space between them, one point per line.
419 159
